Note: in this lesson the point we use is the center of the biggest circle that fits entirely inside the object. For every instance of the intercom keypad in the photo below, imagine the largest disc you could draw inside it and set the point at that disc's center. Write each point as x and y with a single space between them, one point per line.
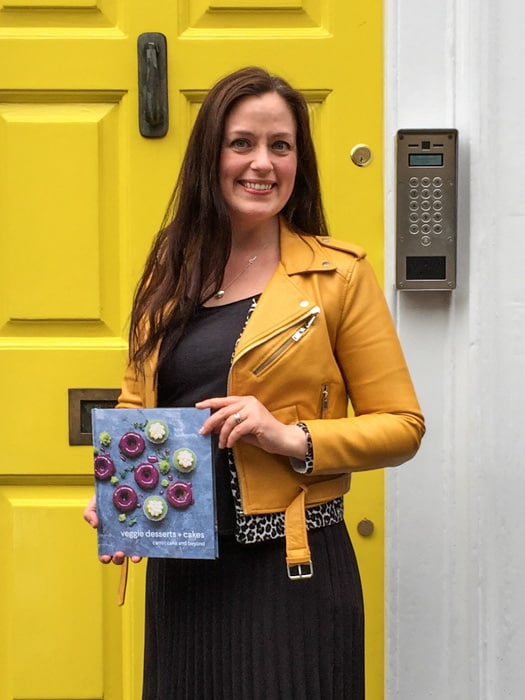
426 209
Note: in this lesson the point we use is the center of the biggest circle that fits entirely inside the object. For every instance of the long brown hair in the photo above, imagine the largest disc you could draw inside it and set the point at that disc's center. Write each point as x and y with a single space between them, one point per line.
192 248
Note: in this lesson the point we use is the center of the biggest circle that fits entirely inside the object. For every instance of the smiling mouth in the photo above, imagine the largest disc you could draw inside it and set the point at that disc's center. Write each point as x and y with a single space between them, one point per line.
258 186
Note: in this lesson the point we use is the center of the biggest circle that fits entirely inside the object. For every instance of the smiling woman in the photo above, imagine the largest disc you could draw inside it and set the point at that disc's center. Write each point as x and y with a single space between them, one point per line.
248 308
258 165
257 171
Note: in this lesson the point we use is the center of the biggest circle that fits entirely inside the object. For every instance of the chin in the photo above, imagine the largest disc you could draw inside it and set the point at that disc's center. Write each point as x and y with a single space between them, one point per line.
252 219
262 212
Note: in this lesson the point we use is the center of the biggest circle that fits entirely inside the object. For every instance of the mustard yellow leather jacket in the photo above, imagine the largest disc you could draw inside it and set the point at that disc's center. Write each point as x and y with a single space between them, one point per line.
321 335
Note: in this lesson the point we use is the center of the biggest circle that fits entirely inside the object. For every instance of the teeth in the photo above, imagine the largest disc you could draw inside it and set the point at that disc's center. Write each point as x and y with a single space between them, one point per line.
257 186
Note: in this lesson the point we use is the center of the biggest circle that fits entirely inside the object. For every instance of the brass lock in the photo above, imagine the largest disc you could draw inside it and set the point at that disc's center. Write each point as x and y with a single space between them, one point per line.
365 527
361 155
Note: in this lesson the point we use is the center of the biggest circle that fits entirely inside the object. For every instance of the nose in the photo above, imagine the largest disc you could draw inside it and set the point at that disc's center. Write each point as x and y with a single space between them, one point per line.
261 159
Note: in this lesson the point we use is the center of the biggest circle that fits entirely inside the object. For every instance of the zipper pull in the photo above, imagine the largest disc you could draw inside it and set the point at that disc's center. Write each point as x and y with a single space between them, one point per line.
325 397
299 333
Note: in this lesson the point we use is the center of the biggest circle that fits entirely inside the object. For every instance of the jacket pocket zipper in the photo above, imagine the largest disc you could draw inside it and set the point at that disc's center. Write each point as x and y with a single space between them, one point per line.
295 338
324 400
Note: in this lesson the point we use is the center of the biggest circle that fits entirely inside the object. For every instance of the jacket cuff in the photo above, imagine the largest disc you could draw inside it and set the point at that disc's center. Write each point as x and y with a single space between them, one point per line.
305 466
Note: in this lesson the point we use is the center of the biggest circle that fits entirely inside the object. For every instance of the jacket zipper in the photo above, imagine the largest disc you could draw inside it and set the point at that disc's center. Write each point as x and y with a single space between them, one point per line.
295 338
324 401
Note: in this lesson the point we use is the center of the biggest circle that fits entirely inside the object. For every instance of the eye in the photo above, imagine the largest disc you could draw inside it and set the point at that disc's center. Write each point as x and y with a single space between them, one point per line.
281 146
240 144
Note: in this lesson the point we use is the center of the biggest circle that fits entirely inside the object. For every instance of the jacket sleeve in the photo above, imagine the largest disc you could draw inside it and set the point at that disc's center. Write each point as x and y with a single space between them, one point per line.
138 388
387 424
132 389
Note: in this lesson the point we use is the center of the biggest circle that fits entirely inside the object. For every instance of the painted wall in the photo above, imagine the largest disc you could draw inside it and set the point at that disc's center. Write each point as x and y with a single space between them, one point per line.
455 521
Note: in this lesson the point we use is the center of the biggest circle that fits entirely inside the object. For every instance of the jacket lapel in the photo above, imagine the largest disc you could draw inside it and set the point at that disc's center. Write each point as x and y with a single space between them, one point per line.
284 301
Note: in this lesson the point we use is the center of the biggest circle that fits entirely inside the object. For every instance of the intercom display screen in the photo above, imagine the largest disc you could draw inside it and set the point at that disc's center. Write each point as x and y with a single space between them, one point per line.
425 160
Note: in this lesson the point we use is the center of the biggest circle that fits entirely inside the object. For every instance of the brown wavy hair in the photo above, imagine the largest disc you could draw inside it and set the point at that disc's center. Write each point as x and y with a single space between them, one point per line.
187 260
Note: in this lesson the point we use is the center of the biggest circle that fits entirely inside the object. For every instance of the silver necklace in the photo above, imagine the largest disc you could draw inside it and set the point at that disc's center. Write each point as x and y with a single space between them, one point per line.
221 292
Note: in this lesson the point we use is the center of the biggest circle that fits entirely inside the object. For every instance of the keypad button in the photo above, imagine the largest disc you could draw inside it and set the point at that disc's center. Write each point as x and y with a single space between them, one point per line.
413 205
414 216
414 182
438 206
425 205
425 217
437 228
437 217
425 181
437 181
426 240
413 194
438 194
425 228
413 228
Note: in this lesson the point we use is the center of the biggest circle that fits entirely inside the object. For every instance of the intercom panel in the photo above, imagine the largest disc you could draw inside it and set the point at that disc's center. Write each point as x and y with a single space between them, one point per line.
426 224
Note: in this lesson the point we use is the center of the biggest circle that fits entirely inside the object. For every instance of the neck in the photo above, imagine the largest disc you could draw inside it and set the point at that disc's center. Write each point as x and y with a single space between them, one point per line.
254 237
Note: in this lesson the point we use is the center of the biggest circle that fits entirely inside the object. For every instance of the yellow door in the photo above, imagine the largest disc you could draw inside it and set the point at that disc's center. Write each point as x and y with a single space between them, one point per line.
81 194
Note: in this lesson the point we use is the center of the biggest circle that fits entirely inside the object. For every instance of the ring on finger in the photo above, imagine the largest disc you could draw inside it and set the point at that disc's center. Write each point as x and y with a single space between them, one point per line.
237 417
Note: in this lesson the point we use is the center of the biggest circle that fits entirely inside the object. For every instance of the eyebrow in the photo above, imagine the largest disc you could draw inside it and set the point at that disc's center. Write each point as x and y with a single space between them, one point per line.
278 135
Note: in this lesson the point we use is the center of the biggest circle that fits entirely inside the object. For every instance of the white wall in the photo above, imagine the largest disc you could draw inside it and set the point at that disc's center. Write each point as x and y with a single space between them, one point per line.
455 611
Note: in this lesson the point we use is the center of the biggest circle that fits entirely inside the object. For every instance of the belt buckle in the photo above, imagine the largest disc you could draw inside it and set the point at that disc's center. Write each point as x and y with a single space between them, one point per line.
296 572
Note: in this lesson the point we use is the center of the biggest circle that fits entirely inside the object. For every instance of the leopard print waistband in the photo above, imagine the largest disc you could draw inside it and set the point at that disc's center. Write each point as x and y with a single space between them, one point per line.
250 529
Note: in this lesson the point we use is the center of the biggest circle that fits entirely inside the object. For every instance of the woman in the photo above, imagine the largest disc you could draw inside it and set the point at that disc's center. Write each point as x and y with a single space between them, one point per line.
248 308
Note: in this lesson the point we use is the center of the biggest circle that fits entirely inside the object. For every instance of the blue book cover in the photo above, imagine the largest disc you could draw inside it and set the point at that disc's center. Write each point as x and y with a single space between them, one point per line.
154 483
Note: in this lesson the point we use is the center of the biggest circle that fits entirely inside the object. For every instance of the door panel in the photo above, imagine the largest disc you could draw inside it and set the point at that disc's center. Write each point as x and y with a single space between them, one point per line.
81 195
57 190
42 523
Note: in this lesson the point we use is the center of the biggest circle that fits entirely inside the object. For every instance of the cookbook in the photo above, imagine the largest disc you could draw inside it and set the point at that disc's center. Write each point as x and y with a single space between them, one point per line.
154 483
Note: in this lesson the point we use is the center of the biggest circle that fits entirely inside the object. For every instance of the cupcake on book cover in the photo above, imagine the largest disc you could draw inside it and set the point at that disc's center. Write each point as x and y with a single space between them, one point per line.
154 483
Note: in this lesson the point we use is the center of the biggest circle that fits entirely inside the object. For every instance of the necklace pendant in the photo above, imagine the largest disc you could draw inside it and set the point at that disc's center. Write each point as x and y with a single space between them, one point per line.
220 293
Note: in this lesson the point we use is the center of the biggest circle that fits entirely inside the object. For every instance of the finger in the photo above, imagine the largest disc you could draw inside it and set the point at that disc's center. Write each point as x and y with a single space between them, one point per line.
117 558
91 517
90 512
217 402
222 417
232 429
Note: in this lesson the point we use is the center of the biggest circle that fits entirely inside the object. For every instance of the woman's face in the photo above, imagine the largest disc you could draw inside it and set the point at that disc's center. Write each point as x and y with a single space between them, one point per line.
258 160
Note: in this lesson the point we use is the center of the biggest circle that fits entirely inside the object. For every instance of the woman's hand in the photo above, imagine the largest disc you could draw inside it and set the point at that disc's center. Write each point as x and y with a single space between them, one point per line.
90 516
245 418
90 512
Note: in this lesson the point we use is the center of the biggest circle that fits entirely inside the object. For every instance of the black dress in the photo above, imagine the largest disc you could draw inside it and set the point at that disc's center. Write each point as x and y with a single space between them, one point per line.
237 628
